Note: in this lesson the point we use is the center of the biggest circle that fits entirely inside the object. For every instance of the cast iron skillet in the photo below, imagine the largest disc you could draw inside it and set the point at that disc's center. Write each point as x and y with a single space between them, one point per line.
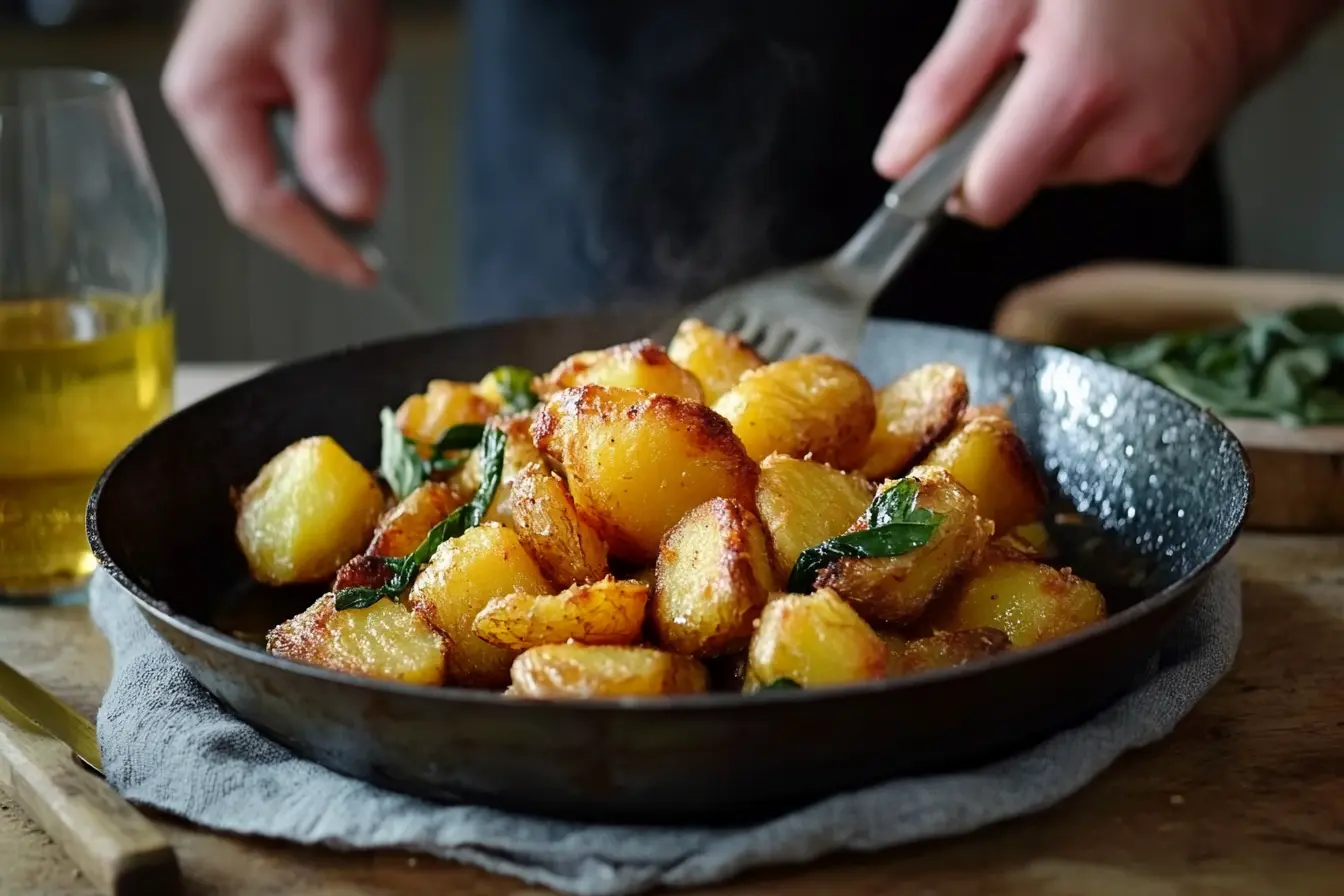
1165 483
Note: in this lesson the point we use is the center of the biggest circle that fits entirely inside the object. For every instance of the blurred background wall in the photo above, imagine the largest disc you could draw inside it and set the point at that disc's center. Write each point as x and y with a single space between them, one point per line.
1284 156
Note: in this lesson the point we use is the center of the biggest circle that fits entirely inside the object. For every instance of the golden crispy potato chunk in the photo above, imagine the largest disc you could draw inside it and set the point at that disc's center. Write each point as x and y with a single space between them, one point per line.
895 642
485 562
605 612
717 359
713 577
444 403
636 365
1033 539
803 503
519 453
913 412
1029 601
568 550
814 640
895 590
382 641
311 508
637 463
943 650
989 459
404 527
810 405
587 671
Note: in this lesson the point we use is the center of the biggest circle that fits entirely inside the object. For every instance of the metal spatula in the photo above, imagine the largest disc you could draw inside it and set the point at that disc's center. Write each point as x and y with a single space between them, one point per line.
824 306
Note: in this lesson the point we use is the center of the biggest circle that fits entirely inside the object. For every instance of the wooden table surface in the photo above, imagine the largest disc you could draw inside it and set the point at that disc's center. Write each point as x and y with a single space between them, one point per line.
1245 797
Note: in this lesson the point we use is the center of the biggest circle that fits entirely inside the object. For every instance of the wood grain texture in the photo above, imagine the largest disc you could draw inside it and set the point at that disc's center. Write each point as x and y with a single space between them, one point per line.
1245 798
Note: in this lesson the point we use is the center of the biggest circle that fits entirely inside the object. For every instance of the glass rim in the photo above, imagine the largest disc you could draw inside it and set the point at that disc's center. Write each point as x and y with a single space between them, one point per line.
81 85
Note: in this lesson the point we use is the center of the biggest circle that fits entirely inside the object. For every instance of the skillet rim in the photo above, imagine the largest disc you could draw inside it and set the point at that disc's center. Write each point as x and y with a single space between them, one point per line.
680 703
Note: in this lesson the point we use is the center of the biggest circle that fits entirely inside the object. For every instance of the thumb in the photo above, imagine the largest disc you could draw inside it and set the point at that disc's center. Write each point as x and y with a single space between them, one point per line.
335 147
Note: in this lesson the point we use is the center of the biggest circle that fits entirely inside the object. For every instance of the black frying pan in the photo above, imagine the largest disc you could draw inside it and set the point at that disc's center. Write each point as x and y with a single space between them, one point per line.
1165 485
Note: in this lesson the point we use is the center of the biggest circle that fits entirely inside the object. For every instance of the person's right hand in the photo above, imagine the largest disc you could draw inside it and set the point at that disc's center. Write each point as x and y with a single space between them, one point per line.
236 59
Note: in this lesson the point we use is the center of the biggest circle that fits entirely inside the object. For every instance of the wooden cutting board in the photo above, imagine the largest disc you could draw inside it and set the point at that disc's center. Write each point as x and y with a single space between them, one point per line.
1298 472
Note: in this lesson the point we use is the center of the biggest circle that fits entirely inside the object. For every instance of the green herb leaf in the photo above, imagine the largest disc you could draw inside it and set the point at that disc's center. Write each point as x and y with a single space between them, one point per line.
515 387
895 527
405 569
401 464
462 437
782 684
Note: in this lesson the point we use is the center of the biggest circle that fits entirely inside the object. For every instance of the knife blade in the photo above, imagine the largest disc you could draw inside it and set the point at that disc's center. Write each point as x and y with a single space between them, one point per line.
44 710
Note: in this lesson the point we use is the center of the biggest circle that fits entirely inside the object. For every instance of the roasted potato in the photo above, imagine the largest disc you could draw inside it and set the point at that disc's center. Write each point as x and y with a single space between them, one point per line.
311 508
814 640
943 650
581 670
895 642
404 527
519 453
713 577
444 403
640 365
803 503
382 641
460 579
988 458
1029 601
895 590
637 463
605 612
813 405
568 550
913 413
717 359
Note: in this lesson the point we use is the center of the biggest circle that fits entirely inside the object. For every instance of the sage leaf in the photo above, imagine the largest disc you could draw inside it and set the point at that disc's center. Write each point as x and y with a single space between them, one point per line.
782 684
515 387
401 465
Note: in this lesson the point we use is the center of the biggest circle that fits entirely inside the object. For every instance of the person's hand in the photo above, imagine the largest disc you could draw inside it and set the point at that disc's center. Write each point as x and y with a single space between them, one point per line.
234 60
1110 90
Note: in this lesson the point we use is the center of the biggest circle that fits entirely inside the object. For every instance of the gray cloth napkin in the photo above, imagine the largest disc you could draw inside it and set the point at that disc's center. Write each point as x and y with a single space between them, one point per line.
166 743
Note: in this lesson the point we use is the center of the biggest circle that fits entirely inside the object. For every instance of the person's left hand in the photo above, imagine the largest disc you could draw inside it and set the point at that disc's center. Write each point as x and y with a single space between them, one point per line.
1111 89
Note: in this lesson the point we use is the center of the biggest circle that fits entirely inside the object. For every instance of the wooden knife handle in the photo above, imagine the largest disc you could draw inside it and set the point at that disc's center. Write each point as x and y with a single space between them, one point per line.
119 850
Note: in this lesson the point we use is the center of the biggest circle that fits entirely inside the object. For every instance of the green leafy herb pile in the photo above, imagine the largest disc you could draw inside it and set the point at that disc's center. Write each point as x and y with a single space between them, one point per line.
1286 366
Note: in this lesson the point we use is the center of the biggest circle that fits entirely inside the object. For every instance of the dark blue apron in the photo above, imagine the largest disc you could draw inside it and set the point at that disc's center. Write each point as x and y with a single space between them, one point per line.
626 151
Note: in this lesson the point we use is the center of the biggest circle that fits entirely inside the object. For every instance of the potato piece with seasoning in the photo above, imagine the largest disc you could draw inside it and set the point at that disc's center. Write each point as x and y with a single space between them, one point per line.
637 463
383 641
519 453
989 459
310 508
588 672
640 365
485 562
605 612
813 405
913 413
423 418
814 640
944 650
713 576
895 590
717 359
405 526
568 550
803 503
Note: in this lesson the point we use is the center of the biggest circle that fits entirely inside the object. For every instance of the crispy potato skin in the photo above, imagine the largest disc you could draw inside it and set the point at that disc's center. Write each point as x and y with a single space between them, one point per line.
943 650
810 405
914 412
640 365
383 641
1029 601
637 463
816 640
803 503
713 576
717 359
310 508
584 671
362 571
485 562
895 590
444 403
989 459
568 550
405 526
519 453
605 612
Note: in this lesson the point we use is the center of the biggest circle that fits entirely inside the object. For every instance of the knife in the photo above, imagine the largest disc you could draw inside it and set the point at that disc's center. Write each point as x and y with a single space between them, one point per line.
117 849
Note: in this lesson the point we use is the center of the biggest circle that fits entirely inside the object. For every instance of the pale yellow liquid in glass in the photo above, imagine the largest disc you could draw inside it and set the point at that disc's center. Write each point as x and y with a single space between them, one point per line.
79 380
